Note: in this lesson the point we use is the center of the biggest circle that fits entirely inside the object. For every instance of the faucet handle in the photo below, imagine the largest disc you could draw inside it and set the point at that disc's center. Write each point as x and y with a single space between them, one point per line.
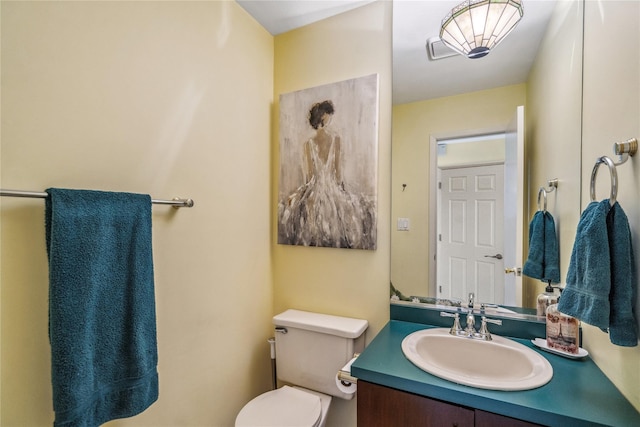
484 331
455 328
447 314
486 320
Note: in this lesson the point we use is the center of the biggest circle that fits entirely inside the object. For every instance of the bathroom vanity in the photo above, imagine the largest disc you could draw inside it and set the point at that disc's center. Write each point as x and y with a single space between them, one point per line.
394 392
384 406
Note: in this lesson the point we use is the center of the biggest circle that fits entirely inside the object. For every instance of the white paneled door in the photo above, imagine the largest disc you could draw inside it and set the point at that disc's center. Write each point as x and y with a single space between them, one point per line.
470 234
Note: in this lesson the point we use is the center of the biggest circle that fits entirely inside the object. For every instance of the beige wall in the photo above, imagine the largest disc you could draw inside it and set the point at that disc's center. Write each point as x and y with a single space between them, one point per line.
611 107
413 124
554 129
337 281
166 98
611 113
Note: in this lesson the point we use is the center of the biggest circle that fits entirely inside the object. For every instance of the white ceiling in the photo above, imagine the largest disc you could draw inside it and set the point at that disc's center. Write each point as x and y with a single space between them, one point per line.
415 76
280 16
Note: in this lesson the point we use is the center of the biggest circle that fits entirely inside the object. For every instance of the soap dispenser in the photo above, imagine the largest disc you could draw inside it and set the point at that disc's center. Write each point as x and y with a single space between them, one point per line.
563 331
549 297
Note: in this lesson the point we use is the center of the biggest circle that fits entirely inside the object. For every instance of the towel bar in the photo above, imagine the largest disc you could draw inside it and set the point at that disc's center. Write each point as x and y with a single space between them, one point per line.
176 203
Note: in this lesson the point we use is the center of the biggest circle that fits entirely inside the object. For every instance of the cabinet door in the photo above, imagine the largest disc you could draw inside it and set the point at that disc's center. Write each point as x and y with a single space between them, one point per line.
487 419
380 406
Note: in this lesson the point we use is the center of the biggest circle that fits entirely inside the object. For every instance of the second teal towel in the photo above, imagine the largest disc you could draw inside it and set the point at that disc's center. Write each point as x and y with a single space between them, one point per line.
543 259
601 279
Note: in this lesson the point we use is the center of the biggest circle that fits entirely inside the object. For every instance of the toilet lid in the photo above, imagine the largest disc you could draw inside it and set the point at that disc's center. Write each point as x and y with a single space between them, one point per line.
283 407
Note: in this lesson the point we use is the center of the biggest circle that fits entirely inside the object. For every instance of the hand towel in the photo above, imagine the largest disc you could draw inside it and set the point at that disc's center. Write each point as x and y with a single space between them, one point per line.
543 259
551 251
102 325
622 297
586 294
534 265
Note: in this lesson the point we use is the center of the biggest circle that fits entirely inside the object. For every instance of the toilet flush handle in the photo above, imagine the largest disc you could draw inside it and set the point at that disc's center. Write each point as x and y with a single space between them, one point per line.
281 330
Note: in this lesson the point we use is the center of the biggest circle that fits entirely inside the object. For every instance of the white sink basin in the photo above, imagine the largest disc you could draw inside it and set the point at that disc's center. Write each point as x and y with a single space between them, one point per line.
500 364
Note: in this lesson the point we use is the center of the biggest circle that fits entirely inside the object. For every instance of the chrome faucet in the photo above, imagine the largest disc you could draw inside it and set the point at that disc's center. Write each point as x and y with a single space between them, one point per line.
470 331
471 320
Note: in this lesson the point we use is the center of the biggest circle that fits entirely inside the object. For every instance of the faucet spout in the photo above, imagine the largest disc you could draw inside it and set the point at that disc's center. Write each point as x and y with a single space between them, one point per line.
471 324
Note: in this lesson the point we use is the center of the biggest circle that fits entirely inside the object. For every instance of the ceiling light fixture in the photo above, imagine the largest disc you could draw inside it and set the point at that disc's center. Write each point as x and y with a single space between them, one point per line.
474 27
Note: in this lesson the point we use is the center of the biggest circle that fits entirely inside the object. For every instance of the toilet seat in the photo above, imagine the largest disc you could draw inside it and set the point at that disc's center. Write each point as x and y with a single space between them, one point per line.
284 407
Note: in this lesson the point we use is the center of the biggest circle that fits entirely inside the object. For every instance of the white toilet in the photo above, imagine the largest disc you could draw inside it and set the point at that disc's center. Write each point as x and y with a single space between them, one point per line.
310 349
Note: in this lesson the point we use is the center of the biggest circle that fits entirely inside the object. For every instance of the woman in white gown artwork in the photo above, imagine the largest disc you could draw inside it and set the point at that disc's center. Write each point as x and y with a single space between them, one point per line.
322 212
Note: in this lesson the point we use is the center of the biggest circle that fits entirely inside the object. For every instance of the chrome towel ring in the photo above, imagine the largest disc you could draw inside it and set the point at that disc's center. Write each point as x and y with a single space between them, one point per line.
614 178
542 192
624 150
552 185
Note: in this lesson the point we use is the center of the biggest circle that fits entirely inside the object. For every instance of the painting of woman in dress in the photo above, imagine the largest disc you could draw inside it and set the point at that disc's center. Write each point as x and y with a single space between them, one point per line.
328 166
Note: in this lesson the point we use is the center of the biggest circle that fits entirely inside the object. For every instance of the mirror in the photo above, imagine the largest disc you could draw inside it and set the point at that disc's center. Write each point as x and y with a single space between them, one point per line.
456 97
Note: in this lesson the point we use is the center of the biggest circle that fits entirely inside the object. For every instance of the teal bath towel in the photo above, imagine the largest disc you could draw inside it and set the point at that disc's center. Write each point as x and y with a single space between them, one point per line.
601 281
622 317
543 259
102 323
586 294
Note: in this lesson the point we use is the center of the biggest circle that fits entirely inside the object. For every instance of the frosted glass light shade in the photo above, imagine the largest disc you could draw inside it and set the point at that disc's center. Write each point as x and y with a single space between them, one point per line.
474 27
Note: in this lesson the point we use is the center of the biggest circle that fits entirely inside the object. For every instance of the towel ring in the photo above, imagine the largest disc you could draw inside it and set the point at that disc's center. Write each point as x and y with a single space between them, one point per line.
614 178
552 185
542 191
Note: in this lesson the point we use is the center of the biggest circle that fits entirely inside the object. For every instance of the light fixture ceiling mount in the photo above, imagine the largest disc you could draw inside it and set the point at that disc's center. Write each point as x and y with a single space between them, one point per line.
474 27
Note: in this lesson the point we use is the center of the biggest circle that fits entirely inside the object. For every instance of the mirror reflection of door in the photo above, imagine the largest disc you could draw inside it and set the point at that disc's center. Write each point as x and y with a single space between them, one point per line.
480 207
470 241
470 217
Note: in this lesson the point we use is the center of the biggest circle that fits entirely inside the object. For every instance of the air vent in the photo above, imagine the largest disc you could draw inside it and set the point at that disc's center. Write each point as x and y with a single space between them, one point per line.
438 50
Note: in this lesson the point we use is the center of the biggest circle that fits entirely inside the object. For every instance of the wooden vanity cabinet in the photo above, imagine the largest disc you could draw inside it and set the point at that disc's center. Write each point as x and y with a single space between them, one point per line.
380 406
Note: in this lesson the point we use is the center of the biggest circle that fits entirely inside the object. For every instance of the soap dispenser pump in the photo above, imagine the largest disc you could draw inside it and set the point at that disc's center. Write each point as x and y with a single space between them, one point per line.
549 297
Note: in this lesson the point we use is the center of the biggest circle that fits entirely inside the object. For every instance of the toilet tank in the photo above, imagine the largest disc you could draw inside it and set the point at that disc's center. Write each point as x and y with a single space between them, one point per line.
315 347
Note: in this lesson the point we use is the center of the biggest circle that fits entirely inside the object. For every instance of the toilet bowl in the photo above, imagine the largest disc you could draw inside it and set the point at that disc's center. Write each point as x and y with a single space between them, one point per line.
310 348
286 407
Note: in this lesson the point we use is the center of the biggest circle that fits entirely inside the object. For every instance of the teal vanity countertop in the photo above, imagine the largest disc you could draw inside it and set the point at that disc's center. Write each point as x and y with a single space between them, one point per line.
578 394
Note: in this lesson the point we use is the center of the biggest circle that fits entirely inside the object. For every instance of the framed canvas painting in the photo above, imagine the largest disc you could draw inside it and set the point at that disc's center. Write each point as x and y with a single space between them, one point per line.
327 195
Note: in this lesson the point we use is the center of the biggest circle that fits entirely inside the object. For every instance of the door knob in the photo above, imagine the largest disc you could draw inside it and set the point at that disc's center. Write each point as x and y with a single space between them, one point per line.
496 256
515 270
